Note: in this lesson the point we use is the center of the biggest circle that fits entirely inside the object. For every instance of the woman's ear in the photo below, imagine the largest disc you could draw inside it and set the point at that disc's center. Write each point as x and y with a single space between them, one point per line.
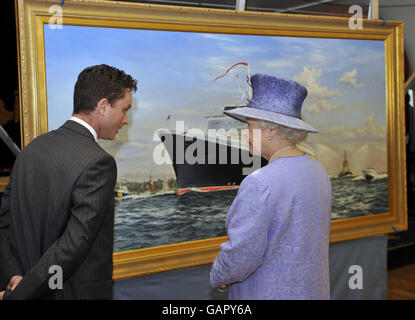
273 132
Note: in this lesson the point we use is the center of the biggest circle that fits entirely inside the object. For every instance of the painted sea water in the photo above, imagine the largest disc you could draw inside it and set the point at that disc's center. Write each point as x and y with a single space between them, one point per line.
150 220
355 196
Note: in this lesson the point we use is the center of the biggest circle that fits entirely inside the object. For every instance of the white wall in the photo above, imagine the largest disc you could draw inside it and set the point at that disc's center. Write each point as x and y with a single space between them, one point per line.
407 15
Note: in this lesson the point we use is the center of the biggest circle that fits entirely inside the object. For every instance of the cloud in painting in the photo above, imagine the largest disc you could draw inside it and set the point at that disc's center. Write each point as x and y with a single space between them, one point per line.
339 130
349 78
370 129
217 37
318 94
280 63
321 105
310 79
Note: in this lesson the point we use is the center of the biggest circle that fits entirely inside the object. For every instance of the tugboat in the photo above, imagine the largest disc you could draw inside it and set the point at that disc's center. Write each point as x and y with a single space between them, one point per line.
346 170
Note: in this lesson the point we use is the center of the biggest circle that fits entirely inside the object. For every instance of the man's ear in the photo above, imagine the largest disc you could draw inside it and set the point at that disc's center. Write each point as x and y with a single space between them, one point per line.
102 106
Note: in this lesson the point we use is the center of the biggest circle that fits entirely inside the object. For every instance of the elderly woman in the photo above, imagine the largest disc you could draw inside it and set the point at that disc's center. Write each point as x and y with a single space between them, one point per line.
278 225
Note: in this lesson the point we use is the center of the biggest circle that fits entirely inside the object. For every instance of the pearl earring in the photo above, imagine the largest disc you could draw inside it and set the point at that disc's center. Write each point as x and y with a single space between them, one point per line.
269 138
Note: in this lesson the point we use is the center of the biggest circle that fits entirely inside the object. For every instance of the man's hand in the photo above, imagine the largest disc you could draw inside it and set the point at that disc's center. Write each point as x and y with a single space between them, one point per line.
14 281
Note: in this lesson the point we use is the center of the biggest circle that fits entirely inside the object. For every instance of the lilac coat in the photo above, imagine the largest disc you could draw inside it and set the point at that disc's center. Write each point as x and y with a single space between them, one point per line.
278 228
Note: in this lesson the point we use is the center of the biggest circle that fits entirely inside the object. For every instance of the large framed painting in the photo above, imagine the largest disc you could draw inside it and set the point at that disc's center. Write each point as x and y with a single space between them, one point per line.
176 180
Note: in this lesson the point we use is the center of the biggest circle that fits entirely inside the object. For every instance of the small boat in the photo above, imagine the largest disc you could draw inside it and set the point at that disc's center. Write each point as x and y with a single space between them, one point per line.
369 174
121 191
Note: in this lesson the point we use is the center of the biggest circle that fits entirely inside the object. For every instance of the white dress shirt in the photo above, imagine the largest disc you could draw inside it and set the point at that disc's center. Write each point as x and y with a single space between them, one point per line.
86 125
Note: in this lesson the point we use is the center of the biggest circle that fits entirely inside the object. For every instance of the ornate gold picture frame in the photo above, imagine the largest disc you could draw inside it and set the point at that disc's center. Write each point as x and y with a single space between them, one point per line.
33 15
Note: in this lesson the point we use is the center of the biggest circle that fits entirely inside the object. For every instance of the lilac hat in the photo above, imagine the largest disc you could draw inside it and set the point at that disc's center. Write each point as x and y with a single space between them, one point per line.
276 100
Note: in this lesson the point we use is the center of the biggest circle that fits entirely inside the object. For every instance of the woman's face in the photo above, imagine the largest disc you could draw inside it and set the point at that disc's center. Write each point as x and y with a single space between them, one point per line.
256 137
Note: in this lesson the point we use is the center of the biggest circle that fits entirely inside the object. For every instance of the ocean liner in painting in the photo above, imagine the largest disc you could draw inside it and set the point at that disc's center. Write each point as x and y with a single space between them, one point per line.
217 162
209 163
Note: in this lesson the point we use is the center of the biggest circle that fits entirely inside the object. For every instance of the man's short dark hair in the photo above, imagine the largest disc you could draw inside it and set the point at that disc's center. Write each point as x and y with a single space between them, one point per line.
98 82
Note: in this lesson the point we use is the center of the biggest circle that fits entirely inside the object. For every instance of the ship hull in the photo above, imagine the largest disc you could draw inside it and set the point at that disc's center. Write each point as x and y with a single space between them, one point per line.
200 164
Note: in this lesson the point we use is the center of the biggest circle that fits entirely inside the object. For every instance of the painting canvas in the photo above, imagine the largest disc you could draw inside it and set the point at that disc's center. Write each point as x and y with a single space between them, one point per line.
182 78
191 64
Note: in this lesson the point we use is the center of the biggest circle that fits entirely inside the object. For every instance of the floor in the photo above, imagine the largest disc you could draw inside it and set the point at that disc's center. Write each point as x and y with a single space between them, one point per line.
401 263
401 283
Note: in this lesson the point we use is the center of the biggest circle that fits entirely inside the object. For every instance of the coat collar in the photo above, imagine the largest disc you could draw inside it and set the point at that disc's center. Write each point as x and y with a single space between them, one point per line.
75 126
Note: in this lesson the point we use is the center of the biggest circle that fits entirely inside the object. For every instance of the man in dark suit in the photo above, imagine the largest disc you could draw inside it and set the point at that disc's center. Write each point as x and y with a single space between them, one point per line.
57 212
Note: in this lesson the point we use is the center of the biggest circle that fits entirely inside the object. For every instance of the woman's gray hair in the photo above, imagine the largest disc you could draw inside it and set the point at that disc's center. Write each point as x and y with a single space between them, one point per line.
294 135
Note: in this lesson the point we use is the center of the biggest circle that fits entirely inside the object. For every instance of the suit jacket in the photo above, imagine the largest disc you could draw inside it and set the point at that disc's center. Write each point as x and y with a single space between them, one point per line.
58 209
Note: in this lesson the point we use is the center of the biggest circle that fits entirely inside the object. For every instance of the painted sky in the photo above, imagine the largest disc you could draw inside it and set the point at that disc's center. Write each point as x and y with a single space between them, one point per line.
176 71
